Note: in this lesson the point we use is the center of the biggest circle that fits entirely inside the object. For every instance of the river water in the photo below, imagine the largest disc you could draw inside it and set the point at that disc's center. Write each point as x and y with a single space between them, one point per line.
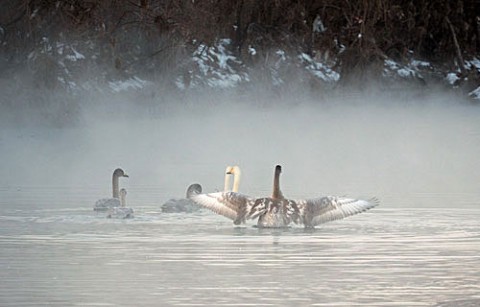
420 247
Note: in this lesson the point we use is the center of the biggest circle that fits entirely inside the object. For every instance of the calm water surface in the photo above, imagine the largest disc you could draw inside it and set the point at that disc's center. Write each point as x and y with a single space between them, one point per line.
386 257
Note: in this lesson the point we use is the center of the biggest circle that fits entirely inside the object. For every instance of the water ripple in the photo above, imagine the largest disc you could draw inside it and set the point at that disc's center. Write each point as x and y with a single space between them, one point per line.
388 257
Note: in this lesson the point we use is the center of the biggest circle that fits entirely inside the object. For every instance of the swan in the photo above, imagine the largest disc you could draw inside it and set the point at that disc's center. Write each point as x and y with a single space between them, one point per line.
183 204
187 205
121 212
105 203
236 173
277 211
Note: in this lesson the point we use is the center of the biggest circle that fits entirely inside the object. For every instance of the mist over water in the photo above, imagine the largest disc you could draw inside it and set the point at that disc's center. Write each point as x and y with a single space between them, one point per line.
418 156
354 145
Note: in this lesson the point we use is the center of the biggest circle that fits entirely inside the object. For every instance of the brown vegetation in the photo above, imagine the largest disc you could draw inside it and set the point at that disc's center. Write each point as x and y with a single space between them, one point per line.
155 36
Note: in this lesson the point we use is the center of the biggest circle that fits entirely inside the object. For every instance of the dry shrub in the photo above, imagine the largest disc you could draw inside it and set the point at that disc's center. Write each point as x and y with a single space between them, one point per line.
154 36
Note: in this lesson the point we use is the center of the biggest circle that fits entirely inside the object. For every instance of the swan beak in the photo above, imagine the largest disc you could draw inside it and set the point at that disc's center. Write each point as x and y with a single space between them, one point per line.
125 175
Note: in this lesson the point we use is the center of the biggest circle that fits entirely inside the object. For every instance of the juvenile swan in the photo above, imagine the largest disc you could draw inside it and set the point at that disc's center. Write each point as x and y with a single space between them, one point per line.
183 204
105 203
187 205
277 211
121 212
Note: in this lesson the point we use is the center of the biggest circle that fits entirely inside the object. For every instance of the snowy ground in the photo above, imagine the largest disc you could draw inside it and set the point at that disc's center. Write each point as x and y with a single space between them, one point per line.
217 67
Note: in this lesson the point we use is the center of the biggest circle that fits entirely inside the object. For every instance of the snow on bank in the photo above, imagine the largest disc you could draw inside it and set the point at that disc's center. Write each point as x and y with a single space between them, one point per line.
475 94
411 70
134 83
217 66
474 64
319 70
452 78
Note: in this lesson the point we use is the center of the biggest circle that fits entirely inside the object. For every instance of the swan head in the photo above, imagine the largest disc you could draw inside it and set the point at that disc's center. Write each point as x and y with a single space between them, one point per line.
119 173
193 190
123 192
278 169
232 170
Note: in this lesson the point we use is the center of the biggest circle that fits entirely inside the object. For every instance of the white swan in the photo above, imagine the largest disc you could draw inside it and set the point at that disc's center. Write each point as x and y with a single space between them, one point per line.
105 203
277 211
187 205
121 212
236 173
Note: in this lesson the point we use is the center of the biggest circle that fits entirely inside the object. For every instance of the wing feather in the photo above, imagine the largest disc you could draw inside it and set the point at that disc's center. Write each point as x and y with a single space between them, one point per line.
229 204
321 210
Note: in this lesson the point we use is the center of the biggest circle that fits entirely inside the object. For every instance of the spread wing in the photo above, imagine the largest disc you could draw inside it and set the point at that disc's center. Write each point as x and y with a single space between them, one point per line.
321 210
233 205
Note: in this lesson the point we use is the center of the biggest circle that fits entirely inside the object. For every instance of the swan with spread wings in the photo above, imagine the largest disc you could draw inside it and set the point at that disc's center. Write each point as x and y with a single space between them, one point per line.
278 211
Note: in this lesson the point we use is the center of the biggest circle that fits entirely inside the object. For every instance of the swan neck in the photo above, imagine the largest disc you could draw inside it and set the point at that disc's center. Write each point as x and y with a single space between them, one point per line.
277 194
123 200
115 189
236 179
226 186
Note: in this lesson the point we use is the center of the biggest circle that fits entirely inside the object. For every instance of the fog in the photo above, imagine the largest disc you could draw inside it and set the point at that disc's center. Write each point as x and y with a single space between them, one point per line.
409 151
